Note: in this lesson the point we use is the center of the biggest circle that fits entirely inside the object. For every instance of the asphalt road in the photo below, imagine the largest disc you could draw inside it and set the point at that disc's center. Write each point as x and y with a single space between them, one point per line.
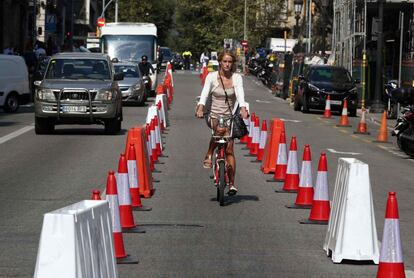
188 234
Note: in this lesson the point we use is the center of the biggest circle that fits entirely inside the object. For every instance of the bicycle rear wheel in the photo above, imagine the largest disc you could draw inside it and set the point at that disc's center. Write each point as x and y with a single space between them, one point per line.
222 182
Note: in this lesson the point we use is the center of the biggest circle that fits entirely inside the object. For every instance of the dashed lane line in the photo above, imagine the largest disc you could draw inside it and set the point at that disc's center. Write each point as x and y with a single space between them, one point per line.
15 134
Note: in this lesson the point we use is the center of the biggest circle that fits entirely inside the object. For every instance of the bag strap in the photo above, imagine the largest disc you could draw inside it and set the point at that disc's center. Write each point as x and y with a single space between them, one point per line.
227 99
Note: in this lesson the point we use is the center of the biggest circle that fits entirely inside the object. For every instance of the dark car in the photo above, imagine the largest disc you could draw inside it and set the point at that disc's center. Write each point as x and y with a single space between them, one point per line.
165 57
319 81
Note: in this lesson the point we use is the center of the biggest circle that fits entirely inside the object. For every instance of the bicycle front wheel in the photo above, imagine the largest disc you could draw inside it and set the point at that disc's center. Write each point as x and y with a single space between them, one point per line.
222 182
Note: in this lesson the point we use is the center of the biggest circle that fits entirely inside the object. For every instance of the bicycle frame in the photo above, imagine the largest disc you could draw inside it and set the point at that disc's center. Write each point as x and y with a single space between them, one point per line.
221 179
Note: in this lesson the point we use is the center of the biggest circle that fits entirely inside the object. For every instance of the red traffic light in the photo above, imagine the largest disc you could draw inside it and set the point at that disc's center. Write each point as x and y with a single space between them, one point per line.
101 21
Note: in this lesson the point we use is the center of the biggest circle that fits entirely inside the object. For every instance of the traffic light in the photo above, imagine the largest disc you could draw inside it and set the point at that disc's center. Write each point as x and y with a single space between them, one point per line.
68 35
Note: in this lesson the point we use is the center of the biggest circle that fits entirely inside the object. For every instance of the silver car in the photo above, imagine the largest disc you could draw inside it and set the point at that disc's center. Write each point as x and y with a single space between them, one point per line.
78 88
132 86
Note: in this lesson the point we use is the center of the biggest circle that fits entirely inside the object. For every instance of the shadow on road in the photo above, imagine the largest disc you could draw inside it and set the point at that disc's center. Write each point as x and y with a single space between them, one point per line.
230 200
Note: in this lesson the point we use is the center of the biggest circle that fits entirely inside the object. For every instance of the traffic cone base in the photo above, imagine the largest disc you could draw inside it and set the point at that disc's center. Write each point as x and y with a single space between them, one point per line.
394 270
305 196
285 191
127 260
295 206
320 211
127 220
291 183
133 230
136 201
280 173
314 222
119 246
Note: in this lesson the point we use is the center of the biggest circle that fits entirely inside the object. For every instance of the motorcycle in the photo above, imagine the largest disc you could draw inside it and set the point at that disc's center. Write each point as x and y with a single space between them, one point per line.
391 91
148 84
404 130
253 66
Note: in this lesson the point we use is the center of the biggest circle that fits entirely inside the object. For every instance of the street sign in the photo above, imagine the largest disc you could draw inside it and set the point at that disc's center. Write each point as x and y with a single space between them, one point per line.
101 22
50 23
244 43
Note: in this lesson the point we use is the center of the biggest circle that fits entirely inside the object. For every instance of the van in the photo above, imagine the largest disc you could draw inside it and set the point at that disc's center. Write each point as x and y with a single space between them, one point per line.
14 82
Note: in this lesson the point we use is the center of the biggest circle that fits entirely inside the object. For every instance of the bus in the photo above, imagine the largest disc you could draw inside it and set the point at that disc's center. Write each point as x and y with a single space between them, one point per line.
128 41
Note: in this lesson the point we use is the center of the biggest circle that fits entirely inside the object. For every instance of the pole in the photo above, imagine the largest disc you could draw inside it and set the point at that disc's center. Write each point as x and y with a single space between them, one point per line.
364 59
309 26
377 106
245 21
103 6
116 10
71 27
401 47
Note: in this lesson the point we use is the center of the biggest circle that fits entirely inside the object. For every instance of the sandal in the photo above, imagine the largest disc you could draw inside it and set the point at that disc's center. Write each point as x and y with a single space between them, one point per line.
232 190
207 163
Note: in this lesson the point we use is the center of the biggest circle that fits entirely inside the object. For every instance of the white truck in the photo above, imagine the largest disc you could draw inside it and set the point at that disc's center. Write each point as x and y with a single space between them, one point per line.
128 41
280 44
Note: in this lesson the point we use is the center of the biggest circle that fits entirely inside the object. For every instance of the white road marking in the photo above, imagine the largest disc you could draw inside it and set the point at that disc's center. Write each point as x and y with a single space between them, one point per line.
16 133
262 101
339 152
288 120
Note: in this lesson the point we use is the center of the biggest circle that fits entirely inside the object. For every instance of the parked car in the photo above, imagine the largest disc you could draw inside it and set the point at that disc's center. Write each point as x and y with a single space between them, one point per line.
14 83
166 56
319 81
78 88
132 86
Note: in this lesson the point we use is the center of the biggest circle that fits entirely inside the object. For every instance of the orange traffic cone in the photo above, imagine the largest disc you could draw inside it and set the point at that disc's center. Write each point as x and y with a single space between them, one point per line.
383 133
362 126
96 195
281 163
291 184
272 146
112 198
304 198
391 263
137 137
251 130
320 206
133 181
262 142
327 114
160 90
124 198
344 122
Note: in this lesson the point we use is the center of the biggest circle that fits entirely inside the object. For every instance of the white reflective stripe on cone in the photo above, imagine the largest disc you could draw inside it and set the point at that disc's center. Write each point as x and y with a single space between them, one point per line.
251 128
114 207
254 137
263 137
321 187
292 167
306 174
281 155
153 140
257 129
149 147
158 132
344 111
391 251
132 174
122 185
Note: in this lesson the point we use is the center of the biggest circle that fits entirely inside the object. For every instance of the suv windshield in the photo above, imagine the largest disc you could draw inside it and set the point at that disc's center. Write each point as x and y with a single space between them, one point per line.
332 75
129 71
78 69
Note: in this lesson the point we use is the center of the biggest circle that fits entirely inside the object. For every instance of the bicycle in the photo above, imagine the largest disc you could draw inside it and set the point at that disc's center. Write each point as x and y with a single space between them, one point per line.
220 174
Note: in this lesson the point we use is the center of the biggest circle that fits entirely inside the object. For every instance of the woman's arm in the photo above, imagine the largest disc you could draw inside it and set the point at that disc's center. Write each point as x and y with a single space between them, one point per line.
206 90
239 91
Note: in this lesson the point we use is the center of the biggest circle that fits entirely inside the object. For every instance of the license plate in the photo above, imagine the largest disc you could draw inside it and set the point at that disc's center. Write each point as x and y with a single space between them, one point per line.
69 109
336 102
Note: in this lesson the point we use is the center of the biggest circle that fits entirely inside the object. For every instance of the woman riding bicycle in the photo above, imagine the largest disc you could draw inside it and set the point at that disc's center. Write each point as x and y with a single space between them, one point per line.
225 87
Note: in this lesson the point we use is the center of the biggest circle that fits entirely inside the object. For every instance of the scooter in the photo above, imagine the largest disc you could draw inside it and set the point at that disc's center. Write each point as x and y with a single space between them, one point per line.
147 83
404 130
391 90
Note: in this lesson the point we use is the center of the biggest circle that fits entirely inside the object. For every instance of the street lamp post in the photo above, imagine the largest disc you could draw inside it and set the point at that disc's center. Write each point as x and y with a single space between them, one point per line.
298 11
105 6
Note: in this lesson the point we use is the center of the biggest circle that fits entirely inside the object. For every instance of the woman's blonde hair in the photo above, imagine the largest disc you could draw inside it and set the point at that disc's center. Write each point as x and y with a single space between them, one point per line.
228 53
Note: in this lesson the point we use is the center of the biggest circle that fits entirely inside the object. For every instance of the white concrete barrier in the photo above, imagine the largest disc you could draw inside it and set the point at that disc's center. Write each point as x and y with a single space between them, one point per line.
76 242
352 233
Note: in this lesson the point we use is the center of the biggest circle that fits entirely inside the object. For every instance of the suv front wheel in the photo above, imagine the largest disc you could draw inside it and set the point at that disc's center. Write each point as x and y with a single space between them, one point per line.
113 126
43 126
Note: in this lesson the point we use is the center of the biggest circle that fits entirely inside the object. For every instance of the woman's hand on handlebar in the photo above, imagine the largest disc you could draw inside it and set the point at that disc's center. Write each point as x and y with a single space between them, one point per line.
244 113
200 111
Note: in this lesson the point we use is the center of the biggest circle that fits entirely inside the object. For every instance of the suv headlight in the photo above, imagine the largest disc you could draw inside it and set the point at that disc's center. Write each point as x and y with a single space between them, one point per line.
313 87
136 87
104 95
45 94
